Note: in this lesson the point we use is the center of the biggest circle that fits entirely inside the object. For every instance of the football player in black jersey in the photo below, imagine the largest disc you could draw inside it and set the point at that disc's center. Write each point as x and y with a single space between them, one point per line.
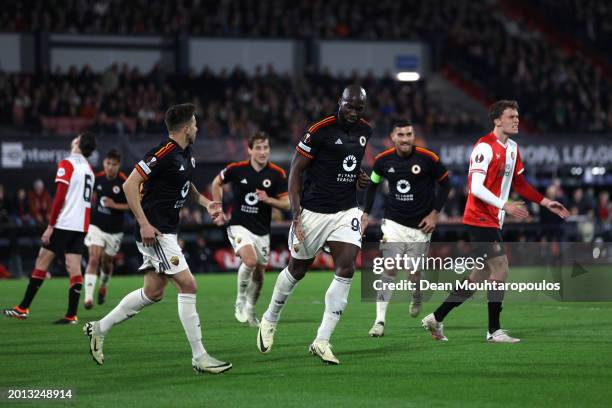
257 186
165 174
106 227
411 209
325 173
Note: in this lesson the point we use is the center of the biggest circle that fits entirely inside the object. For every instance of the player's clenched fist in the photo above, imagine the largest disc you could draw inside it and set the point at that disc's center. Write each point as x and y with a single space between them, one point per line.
363 180
148 234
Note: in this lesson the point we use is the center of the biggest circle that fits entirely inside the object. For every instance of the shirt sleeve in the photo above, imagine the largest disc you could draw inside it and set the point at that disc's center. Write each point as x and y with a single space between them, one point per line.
281 186
377 172
480 158
309 145
519 168
64 172
439 171
154 162
228 174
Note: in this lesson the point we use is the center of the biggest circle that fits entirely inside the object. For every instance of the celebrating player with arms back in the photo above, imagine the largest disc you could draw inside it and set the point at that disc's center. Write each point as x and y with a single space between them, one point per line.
257 185
495 166
106 229
68 224
165 173
325 212
411 210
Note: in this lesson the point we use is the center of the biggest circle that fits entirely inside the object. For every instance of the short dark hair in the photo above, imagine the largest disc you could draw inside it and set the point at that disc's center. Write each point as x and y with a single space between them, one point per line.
113 154
498 108
87 143
398 123
179 115
261 135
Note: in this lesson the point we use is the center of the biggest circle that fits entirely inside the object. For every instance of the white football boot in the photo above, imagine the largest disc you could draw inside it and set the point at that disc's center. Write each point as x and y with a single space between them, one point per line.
96 341
208 364
265 335
501 336
239 313
434 327
377 330
323 349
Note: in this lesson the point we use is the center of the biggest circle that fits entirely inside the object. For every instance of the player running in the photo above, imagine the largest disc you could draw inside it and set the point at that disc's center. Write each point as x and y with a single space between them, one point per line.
68 223
257 186
411 208
325 212
165 174
106 228
495 165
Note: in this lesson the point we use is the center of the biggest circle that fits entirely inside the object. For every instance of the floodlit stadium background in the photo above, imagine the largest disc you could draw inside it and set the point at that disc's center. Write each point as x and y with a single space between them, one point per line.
114 68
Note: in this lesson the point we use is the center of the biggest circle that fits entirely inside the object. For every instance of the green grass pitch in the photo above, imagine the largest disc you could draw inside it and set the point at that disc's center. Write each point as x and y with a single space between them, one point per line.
565 358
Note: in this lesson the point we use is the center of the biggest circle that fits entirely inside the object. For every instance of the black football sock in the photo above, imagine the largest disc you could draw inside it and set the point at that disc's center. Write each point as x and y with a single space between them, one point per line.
454 299
74 294
36 281
495 298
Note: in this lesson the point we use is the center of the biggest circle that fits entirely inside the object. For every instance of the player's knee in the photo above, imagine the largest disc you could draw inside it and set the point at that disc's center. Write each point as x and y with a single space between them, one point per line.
297 269
73 268
345 268
249 261
155 295
94 261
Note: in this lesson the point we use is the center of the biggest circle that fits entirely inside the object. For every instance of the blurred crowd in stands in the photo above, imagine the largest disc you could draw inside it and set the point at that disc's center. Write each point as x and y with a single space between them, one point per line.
124 100
560 90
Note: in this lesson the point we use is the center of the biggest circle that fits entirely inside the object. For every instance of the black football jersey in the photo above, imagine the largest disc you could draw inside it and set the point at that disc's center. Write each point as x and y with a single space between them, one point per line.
167 171
247 210
107 219
336 150
412 182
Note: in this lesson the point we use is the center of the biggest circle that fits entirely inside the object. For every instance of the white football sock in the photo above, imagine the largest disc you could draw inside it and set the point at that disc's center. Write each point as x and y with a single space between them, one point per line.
383 298
252 294
336 299
285 283
90 285
129 306
244 278
191 323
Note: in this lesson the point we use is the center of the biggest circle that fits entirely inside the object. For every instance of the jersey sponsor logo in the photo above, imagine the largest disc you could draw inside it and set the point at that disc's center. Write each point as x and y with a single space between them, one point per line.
306 138
362 140
402 186
266 183
339 141
391 170
479 158
193 162
251 198
349 163
416 169
61 172
243 181
185 189
116 189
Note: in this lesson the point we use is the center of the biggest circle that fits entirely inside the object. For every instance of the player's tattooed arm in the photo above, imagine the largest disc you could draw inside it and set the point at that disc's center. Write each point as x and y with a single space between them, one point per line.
213 207
217 193
131 188
298 165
